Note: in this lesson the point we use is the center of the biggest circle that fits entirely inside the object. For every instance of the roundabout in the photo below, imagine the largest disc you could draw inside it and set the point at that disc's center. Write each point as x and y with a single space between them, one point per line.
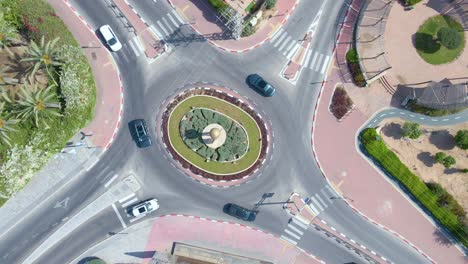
214 134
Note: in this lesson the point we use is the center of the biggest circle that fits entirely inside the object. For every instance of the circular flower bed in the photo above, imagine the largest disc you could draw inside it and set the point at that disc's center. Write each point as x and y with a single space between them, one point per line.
191 130
188 114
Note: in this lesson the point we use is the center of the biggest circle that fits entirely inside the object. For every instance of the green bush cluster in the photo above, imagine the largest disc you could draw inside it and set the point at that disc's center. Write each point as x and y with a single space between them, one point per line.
449 37
270 4
191 129
442 158
352 59
412 2
446 200
461 139
413 106
376 148
411 130
219 5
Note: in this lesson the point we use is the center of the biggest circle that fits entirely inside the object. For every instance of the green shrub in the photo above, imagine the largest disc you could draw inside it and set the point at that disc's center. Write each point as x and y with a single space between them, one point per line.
377 149
412 2
270 4
413 106
439 157
461 139
449 37
411 130
248 30
218 4
445 160
352 56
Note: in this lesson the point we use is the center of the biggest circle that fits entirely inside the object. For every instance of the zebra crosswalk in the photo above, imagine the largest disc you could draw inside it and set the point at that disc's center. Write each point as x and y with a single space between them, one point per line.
314 60
320 201
294 231
126 203
167 25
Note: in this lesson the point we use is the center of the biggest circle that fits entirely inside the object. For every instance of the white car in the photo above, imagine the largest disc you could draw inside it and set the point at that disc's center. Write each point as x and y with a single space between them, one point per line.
111 39
145 207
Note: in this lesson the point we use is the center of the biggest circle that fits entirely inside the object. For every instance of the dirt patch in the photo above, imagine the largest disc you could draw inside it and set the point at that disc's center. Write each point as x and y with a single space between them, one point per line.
418 155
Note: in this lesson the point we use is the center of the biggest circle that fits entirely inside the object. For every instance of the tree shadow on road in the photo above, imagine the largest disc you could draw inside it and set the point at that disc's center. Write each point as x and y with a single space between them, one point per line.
141 254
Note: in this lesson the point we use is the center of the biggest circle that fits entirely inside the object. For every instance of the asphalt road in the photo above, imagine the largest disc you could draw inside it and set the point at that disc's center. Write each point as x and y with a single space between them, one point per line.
191 60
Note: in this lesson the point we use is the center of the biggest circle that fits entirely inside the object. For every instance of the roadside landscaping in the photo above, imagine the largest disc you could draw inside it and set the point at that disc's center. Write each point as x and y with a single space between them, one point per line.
341 103
432 197
231 111
352 59
440 40
50 90
413 106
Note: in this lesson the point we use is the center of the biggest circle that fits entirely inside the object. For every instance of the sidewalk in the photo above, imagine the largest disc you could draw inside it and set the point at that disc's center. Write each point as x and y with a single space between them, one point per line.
202 17
382 204
156 236
83 152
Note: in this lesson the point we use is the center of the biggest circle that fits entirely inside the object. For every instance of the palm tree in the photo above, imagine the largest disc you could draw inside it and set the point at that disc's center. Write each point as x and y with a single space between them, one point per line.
6 125
36 104
43 56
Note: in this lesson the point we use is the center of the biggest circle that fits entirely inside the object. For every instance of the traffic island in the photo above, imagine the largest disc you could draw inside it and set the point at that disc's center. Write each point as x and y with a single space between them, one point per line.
214 135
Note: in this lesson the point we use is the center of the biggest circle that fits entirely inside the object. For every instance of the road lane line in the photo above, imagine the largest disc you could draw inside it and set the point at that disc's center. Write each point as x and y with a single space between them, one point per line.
320 199
299 223
119 216
292 234
289 240
137 42
136 218
126 197
133 48
162 27
295 229
325 64
110 181
130 202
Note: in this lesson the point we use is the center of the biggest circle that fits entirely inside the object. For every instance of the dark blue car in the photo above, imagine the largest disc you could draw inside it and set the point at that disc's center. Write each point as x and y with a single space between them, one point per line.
141 134
261 85
240 212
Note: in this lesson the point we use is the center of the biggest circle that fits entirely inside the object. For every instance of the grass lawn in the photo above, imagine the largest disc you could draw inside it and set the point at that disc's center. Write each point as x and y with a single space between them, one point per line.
427 45
253 133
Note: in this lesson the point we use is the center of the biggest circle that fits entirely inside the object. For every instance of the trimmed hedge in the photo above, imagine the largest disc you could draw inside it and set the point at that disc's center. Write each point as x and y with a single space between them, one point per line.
413 106
218 4
352 58
376 148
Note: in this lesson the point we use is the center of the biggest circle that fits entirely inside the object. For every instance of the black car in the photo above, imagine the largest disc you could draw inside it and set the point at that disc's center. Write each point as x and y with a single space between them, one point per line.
239 212
142 136
261 85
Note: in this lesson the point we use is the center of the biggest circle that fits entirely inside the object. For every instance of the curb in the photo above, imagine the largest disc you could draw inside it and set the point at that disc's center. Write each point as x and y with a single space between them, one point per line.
121 104
323 173
252 47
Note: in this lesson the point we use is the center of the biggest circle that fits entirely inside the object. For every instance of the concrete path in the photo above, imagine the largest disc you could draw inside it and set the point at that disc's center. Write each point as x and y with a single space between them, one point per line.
140 242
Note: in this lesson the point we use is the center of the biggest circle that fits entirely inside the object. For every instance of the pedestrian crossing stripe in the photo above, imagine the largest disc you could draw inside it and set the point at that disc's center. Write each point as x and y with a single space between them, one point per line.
172 20
320 199
319 62
309 53
134 48
288 48
289 240
316 212
177 17
295 229
317 203
277 34
284 43
280 39
293 51
325 64
313 60
167 24
162 27
292 234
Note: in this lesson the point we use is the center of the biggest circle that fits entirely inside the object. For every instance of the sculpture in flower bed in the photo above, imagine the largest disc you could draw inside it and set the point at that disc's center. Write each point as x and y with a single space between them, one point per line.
191 130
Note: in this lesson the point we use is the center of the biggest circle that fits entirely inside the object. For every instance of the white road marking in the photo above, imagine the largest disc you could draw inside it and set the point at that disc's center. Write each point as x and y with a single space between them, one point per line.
311 66
314 209
173 20
293 51
137 42
299 223
126 198
318 62
422 118
280 39
284 43
124 55
295 229
155 31
458 117
402 113
277 34
119 216
289 240
130 202
324 193
445 119
332 192
320 199
177 17
167 24
110 181
411 115
292 234
162 27
317 203
288 48
136 218
309 53
134 48
325 64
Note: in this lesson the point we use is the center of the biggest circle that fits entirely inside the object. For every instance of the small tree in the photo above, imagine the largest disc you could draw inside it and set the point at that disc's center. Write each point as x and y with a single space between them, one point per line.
270 4
442 158
411 130
461 139
449 37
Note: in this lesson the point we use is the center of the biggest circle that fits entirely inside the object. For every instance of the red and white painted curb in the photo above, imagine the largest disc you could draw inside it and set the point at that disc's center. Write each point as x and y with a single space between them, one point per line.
249 48
320 167
121 101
